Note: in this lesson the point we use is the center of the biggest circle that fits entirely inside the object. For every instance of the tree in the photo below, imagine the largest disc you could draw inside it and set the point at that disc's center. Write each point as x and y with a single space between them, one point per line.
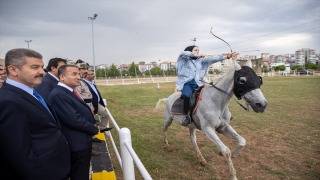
280 68
147 73
134 70
100 72
113 71
297 67
310 65
265 68
125 72
156 71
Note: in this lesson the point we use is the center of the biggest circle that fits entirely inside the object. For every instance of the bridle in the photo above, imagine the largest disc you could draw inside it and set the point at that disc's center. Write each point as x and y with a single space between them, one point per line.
211 83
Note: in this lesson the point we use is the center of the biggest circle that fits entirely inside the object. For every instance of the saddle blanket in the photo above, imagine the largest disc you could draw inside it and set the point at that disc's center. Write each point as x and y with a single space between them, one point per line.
177 106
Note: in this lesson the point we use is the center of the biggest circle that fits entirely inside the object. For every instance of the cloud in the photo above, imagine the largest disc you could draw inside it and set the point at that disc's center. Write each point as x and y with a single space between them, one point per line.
133 31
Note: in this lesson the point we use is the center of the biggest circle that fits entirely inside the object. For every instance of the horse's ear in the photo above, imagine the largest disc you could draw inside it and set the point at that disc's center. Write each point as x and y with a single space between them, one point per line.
236 65
249 63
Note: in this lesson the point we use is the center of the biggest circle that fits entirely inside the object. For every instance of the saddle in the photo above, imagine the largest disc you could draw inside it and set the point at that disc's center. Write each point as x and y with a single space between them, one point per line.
177 106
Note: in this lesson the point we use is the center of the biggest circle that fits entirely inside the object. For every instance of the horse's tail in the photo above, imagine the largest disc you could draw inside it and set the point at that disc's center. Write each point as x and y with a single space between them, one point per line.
160 105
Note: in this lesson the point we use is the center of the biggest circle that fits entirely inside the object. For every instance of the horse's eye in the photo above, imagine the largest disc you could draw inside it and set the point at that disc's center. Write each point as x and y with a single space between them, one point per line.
241 80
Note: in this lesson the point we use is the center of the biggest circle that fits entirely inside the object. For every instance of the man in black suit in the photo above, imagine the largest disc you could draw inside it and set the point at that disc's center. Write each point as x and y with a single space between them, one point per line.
3 75
76 120
50 80
97 101
32 144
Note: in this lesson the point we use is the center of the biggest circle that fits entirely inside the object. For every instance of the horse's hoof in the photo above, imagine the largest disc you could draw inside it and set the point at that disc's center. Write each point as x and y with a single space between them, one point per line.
234 155
233 178
203 163
220 153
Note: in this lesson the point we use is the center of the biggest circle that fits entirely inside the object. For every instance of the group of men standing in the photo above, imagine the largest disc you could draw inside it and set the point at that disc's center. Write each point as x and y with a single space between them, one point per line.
47 119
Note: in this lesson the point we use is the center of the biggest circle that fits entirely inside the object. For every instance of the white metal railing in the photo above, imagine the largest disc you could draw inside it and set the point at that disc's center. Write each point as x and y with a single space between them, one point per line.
128 155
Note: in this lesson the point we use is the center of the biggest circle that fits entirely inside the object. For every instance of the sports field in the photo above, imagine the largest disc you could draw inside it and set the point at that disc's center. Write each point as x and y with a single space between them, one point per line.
282 143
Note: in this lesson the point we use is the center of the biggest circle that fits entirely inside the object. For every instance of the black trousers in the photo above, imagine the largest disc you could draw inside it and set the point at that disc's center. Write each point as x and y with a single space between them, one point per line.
80 164
186 104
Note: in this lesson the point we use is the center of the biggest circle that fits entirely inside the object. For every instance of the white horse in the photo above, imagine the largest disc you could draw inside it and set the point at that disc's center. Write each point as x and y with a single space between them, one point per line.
213 114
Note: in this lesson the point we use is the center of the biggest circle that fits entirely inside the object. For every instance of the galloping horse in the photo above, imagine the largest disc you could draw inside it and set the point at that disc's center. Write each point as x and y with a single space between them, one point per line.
213 114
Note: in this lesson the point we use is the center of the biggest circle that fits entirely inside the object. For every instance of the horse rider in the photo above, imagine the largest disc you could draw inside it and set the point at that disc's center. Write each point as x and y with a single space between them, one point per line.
191 68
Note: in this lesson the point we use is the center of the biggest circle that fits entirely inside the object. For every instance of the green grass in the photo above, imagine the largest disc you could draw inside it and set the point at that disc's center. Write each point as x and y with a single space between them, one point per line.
282 143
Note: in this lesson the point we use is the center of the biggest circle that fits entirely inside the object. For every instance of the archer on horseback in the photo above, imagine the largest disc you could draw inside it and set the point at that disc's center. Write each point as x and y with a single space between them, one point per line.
191 68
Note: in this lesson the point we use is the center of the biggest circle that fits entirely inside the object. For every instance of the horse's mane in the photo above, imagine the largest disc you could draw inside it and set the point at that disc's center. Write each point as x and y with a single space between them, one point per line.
226 71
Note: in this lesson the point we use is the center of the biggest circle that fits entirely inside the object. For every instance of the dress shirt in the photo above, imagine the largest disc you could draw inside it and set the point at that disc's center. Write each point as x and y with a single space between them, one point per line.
53 76
94 88
64 85
20 86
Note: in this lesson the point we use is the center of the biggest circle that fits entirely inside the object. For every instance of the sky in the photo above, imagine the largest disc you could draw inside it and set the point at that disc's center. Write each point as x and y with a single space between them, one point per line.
154 30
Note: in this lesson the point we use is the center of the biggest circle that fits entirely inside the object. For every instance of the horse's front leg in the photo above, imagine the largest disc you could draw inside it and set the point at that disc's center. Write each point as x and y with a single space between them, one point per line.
193 138
211 134
231 133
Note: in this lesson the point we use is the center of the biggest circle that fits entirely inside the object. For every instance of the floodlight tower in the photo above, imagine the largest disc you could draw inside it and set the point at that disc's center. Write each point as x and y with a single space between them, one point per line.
94 63
28 41
194 40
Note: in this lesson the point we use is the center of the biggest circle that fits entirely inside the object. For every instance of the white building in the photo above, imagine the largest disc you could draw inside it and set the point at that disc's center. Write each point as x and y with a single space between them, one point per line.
305 55
102 66
165 65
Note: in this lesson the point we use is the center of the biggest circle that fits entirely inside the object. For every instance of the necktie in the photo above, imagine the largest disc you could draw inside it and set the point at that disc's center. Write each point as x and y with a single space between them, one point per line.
40 99
75 93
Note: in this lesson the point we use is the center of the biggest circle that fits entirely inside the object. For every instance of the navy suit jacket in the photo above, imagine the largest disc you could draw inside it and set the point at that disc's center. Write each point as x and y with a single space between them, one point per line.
95 98
76 119
47 84
32 144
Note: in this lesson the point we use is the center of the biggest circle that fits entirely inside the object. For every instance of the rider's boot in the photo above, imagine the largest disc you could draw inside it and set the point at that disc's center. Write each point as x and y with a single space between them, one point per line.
187 119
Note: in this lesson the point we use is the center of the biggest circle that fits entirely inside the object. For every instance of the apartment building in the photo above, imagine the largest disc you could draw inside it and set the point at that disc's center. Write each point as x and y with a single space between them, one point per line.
265 56
279 59
167 65
305 55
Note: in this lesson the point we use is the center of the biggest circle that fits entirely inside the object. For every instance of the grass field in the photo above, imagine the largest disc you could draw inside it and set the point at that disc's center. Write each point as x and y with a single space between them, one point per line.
282 143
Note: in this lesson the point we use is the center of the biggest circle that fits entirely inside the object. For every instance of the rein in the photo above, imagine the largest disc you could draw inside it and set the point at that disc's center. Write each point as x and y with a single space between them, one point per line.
211 83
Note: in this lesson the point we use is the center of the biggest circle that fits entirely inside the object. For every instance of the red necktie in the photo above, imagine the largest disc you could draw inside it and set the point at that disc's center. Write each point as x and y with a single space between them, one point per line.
75 93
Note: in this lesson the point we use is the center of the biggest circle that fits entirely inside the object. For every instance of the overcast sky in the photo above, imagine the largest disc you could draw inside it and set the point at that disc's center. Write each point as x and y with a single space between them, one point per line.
133 31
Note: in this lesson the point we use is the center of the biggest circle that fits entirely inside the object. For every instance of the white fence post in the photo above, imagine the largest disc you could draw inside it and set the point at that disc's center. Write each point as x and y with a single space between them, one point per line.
127 161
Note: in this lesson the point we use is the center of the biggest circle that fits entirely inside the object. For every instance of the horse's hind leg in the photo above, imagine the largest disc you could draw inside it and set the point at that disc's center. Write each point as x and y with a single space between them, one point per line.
231 133
193 138
167 122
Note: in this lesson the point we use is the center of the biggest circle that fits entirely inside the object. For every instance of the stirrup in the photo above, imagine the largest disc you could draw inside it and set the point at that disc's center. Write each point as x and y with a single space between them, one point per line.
186 121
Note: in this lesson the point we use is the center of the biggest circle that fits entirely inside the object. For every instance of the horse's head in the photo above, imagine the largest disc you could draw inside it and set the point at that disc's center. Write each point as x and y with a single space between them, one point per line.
247 86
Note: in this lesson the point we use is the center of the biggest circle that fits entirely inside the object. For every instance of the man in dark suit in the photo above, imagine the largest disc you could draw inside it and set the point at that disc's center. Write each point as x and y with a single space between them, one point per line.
50 80
3 75
32 144
97 101
76 120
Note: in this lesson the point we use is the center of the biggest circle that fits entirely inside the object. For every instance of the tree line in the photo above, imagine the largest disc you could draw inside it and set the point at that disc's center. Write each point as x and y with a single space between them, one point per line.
133 71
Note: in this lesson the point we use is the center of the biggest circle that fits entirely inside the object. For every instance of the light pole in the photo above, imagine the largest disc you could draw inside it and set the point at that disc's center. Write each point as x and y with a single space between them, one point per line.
94 63
194 40
105 72
28 41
